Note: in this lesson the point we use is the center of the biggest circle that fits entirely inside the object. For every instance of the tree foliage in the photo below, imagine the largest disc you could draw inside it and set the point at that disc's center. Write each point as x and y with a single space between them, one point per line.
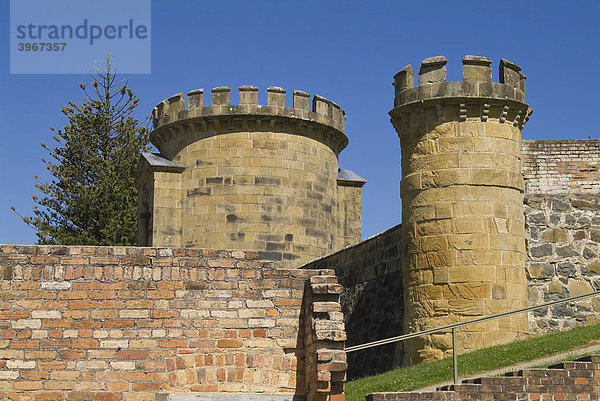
92 198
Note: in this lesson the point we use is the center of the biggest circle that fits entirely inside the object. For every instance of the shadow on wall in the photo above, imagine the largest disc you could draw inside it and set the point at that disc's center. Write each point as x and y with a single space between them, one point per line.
372 299
374 311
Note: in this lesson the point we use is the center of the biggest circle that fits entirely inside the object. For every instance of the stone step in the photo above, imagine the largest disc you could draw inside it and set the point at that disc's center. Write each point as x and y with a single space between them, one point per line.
589 358
580 379
570 365
228 397
412 396
460 387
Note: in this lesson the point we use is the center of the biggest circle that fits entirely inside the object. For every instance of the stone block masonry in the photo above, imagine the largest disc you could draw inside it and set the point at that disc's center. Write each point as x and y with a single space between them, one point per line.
124 323
463 239
372 299
249 176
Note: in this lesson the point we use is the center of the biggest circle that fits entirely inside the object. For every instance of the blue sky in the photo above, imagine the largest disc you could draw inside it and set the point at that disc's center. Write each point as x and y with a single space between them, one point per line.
346 51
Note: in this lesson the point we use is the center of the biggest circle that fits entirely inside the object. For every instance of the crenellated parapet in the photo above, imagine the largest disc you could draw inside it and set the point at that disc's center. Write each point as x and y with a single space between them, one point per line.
476 97
321 119
253 176
463 232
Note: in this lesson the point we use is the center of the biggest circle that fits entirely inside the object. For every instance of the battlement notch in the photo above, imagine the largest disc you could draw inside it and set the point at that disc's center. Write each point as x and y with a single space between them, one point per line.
325 117
476 96
323 110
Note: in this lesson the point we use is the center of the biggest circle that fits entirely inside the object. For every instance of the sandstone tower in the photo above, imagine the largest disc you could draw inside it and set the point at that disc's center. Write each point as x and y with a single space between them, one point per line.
254 177
463 232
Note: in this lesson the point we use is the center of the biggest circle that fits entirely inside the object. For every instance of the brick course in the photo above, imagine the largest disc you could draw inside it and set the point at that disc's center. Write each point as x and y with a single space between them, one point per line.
124 323
560 167
579 380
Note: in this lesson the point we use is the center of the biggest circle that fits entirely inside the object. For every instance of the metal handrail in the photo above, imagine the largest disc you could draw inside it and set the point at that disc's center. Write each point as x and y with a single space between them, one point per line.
454 326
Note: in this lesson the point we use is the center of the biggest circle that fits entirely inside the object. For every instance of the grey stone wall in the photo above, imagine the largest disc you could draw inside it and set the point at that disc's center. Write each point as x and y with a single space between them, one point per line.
372 299
562 210
563 244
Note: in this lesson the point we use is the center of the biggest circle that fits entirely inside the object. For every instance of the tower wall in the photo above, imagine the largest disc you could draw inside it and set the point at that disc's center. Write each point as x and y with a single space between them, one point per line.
256 177
462 202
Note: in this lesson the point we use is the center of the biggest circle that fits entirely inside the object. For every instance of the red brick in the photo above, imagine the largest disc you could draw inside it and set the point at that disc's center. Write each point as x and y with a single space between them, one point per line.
34 375
50 396
28 385
146 386
80 396
160 294
85 344
109 396
73 295
119 323
69 354
18 314
173 343
138 376
8 334
87 324
25 344
132 355
230 343
259 333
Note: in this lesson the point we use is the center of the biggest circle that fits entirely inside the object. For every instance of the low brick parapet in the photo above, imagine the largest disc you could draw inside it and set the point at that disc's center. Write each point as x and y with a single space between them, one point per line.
126 323
578 380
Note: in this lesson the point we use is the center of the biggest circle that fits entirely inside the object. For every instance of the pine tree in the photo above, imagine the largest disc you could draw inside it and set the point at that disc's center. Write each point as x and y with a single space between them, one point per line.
92 198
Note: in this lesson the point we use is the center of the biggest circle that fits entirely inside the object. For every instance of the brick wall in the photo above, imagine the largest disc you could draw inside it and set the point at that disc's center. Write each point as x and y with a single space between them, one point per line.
567 166
579 380
324 340
116 323
370 273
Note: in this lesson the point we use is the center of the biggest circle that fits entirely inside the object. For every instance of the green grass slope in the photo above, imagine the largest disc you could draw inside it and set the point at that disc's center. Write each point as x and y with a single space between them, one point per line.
429 373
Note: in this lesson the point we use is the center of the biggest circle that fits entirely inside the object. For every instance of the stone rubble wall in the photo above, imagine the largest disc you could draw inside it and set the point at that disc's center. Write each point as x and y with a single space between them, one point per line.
563 237
125 323
562 210
372 299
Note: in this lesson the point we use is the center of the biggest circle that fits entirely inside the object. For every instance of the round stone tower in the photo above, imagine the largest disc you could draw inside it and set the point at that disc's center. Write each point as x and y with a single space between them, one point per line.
249 176
463 230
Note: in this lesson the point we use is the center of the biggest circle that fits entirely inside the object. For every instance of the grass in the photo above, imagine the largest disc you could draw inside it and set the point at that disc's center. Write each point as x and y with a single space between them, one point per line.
429 373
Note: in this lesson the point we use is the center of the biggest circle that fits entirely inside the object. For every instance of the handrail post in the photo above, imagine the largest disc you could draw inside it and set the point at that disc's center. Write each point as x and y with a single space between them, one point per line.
454 356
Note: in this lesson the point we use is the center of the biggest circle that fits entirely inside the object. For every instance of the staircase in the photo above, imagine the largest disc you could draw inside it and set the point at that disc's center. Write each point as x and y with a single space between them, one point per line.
577 380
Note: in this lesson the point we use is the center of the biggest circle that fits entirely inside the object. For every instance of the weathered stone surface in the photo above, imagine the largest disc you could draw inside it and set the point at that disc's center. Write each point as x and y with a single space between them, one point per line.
541 250
555 235
432 70
462 201
249 176
562 261
370 273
